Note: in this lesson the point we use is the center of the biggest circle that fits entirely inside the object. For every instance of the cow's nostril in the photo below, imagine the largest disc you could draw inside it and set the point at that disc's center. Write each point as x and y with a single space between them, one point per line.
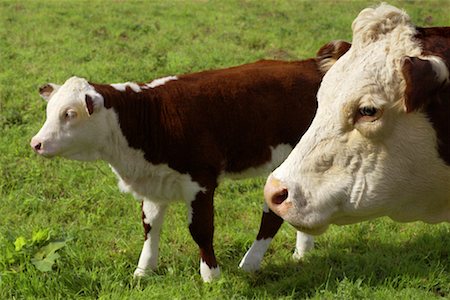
38 146
275 193
280 196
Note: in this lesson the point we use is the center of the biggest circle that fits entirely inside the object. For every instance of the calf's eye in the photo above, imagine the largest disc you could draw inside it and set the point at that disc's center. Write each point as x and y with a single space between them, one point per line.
368 111
70 114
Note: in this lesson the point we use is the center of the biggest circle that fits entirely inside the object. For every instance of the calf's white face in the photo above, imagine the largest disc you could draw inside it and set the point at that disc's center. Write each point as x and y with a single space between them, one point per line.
71 129
364 156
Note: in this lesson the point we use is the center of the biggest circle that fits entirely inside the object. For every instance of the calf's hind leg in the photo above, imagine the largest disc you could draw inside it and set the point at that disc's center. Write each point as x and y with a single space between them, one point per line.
304 244
152 219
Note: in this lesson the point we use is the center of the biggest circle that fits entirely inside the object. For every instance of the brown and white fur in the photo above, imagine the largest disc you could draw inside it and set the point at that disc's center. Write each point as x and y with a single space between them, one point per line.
175 138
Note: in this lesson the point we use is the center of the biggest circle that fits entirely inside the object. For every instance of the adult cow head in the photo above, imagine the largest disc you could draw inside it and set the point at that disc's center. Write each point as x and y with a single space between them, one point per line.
372 149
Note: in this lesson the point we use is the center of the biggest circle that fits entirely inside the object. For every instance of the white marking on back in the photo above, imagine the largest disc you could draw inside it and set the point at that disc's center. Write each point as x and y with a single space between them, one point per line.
123 86
160 81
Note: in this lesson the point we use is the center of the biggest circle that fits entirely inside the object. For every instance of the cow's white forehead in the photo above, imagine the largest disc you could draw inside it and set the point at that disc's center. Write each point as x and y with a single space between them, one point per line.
353 73
371 24
382 37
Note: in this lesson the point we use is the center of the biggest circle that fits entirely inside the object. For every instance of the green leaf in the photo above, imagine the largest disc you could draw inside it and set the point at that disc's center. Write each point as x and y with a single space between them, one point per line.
46 257
46 264
40 236
49 249
20 243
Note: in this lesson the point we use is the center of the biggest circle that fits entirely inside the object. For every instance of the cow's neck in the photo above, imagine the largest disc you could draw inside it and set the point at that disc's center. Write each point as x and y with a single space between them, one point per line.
440 193
443 196
429 202
436 41
438 113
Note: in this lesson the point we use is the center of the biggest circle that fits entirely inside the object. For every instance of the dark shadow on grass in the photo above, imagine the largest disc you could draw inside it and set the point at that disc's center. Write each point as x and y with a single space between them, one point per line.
424 260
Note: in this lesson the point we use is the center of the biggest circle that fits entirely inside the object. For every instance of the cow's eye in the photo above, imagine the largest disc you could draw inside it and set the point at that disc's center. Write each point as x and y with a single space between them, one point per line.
368 111
368 114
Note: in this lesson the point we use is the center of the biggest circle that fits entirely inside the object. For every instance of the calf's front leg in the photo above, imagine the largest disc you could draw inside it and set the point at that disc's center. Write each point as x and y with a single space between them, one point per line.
152 219
270 224
202 230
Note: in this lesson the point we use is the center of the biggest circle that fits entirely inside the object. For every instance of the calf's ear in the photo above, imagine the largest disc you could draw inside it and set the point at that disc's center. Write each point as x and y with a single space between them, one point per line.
93 103
48 90
424 78
329 53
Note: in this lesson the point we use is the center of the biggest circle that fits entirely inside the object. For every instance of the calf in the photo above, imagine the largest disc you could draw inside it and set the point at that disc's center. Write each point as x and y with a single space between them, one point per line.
176 137
379 144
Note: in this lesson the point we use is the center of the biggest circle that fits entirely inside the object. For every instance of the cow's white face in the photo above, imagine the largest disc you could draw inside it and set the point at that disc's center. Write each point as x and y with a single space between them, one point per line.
363 156
72 129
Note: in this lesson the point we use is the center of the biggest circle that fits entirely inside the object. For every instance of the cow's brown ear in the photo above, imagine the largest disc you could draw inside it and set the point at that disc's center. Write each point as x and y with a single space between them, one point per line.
48 90
423 79
329 53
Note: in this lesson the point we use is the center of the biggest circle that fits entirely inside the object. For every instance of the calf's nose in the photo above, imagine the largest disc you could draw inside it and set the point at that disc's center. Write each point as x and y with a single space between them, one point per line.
276 195
36 145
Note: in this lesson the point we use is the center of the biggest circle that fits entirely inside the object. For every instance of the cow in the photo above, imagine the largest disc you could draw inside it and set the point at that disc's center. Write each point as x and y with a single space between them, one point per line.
175 138
379 144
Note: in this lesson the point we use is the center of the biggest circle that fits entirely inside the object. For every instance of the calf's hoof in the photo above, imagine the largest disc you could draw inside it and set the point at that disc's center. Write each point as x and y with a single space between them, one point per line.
249 264
209 274
249 267
138 273
297 256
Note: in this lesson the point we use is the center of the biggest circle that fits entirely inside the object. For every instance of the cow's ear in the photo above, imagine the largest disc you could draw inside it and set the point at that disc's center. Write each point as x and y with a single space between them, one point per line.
93 103
424 78
329 53
48 90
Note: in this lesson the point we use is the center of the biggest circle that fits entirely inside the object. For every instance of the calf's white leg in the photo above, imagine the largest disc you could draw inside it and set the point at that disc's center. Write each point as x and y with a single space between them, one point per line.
152 219
270 224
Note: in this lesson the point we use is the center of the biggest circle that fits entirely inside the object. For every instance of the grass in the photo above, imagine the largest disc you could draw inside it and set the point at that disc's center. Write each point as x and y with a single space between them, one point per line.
65 230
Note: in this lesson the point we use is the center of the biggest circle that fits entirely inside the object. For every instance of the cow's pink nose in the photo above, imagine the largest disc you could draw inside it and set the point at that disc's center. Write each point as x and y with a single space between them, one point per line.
279 196
276 195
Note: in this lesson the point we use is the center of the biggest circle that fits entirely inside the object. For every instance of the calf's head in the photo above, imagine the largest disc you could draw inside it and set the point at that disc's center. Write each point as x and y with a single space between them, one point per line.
371 147
74 125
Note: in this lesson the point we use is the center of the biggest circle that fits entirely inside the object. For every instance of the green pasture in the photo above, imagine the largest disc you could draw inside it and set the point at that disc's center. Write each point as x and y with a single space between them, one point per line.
67 232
